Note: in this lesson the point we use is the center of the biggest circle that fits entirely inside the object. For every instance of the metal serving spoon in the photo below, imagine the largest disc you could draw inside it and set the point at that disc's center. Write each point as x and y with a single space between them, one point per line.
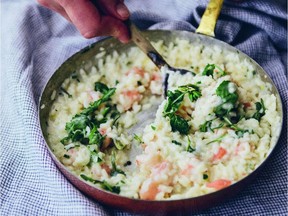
144 44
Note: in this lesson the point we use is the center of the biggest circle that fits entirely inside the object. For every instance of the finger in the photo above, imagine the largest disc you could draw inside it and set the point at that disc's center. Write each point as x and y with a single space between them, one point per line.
84 15
114 27
90 23
115 8
55 7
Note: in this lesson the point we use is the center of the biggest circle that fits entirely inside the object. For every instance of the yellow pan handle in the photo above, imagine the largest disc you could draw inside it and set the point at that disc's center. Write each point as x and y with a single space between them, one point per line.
209 18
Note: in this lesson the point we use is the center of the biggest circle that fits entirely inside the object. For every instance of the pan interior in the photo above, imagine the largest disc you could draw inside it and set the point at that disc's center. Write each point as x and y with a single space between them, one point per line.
94 55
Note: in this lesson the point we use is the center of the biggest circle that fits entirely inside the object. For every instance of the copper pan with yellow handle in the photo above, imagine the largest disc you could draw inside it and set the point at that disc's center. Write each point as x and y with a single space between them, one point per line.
204 35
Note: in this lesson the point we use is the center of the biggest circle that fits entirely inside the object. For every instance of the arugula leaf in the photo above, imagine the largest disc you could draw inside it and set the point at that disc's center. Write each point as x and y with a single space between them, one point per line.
66 156
119 145
179 124
208 70
205 126
95 156
217 140
103 184
239 132
174 100
176 142
193 91
260 110
76 128
189 147
229 107
138 138
115 170
101 87
223 91
222 72
94 106
95 137
66 92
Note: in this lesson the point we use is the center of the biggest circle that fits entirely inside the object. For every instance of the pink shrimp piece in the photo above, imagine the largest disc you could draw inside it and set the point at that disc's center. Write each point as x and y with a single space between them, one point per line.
242 147
220 154
72 157
131 96
219 184
148 190
106 168
136 70
159 168
102 131
247 104
93 95
187 170
156 76
106 143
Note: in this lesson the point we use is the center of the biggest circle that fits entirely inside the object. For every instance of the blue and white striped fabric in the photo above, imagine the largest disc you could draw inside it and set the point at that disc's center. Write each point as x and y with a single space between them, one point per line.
35 41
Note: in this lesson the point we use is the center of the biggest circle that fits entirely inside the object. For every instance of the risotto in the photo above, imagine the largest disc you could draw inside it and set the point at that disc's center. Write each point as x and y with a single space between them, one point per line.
110 125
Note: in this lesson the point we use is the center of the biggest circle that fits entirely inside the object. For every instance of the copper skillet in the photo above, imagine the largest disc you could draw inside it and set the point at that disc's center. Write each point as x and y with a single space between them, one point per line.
136 205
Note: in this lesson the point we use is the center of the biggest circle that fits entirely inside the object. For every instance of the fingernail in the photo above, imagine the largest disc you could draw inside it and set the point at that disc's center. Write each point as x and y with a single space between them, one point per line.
122 10
123 39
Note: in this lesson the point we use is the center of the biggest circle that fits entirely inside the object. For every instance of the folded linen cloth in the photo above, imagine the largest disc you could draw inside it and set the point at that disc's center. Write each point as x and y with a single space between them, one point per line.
34 43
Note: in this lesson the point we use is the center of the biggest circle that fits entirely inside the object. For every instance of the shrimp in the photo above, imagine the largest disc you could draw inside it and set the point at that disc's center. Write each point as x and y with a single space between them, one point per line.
219 184
136 70
220 154
149 188
78 157
187 170
107 140
156 83
129 97
242 148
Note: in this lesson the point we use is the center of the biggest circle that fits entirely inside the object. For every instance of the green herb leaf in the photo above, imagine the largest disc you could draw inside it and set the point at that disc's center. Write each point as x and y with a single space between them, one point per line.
174 100
207 125
222 72
77 127
101 87
176 142
153 127
138 138
208 70
260 110
95 137
193 91
66 92
119 145
103 184
179 124
189 147
66 156
229 107
115 170
217 140
94 106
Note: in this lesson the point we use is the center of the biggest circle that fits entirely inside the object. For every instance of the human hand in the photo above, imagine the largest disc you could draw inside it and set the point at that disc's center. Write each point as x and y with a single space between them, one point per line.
94 18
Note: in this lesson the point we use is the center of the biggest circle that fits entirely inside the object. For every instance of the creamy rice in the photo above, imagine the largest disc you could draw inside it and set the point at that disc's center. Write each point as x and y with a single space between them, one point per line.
226 128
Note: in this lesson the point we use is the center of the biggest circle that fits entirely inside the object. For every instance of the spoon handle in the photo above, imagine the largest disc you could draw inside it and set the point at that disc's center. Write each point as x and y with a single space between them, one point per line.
139 39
